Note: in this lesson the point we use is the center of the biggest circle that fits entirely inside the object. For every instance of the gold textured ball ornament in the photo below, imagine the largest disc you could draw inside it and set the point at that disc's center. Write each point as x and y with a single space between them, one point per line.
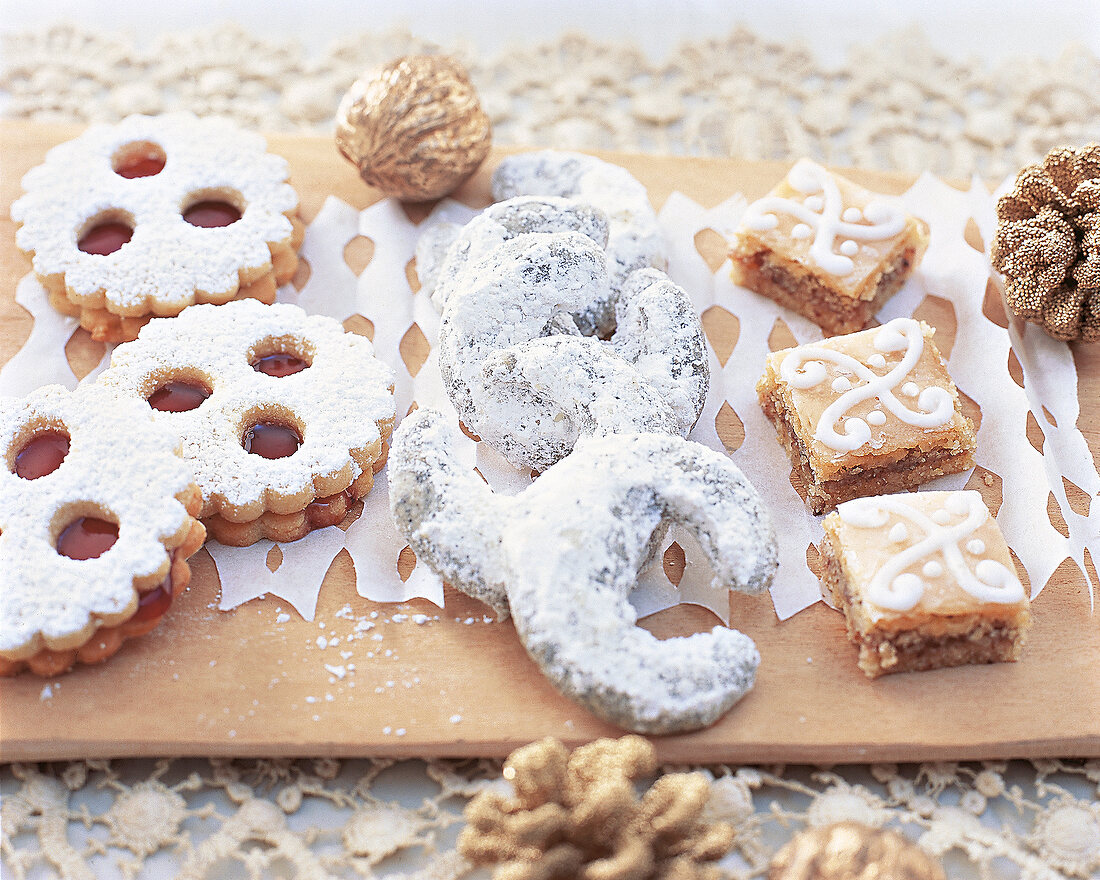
415 128
1047 245
853 851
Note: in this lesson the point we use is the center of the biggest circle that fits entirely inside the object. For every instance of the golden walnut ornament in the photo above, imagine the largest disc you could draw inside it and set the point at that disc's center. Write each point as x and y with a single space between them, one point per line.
1048 243
415 129
852 851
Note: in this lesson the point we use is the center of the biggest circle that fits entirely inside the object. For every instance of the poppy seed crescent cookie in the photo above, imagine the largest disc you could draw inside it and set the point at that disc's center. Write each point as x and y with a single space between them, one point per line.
96 524
635 240
282 415
148 216
563 556
536 347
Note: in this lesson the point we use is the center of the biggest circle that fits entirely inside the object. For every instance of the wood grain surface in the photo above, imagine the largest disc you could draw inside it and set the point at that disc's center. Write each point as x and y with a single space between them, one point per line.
249 683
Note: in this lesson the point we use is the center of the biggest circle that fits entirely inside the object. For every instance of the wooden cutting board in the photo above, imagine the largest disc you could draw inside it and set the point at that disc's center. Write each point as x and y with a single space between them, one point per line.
253 682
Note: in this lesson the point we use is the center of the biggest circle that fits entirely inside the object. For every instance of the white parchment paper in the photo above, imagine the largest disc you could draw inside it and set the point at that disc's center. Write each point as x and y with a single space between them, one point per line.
951 270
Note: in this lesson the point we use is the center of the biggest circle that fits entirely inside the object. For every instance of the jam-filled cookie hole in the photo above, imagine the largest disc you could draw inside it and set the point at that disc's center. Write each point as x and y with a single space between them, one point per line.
178 395
282 356
271 439
105 234
87 537
279 364
42 454
212 209
153 604
138 159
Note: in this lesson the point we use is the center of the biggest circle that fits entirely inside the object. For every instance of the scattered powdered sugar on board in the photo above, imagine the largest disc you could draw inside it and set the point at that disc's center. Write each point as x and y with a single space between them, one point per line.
951 270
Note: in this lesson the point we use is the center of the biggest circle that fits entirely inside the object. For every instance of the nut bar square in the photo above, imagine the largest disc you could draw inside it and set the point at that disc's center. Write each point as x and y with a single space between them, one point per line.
869 413
925 580
826 248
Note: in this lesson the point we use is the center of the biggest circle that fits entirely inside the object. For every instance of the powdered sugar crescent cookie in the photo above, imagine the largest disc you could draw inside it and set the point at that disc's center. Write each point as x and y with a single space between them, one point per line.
148 216
635 240
96 524
563 556
282 416
536 348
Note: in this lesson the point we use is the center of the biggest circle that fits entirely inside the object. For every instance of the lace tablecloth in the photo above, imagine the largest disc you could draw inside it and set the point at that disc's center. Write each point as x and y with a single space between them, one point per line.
897 105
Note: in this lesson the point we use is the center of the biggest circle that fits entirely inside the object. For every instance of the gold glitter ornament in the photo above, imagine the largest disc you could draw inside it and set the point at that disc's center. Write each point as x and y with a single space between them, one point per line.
579 816
1047 244
852 851
415 129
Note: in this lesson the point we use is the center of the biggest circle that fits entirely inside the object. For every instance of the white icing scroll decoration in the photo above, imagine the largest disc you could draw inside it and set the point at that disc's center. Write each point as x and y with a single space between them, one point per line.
805 368
823 210
898 589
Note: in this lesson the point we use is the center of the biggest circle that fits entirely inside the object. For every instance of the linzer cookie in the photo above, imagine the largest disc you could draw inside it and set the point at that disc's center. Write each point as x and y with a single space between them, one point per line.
827 248
151 215
96 524
282 415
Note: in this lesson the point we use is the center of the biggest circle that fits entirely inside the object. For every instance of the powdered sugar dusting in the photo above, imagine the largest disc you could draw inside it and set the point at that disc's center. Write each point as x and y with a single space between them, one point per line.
210 156
339 402
524 289
133 482
635 239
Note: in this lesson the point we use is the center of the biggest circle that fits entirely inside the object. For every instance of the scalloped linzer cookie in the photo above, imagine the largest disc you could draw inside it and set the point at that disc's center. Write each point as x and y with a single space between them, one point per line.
282 415
148 216
96 524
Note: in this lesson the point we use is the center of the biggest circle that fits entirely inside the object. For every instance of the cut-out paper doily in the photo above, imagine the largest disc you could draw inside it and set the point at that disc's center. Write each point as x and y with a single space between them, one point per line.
405 325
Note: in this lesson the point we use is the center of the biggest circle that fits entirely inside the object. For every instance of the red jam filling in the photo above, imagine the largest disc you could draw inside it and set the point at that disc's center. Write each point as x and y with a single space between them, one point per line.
106 238
210 214
320 510
42 455
154 603
279 365
87 537
271 440
178 397
141 166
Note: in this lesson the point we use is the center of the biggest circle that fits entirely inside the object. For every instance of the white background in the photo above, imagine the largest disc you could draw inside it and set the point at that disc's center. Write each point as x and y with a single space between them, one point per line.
957 28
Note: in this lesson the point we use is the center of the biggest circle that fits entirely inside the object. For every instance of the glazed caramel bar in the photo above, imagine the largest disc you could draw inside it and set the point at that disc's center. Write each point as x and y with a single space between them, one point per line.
925 580
870 413
826 248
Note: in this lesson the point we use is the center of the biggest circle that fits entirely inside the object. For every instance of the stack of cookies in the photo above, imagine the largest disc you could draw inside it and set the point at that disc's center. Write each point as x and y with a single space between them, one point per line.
242 419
